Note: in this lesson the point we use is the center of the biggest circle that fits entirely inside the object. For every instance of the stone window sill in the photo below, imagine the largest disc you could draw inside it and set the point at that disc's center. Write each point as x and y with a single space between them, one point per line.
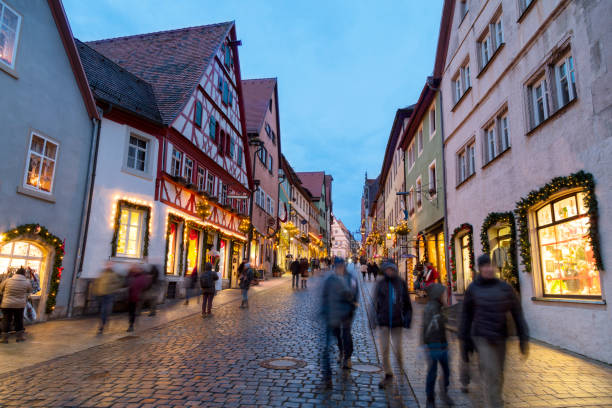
467 91
553 116
525 11
569 300
50 198
489 62
466 180
10 71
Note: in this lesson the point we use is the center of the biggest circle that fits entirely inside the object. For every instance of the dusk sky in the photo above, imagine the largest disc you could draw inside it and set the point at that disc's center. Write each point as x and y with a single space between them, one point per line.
343 68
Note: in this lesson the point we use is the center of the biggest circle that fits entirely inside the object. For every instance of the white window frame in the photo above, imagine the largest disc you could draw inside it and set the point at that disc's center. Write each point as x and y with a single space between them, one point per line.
462 81
176 162
432 122
42 157
137 149
486 50
420 141
504 131
201 179
210 184
433 181
466 161
463 9
570 76
188 169
491 142
541 83
10 68
140 233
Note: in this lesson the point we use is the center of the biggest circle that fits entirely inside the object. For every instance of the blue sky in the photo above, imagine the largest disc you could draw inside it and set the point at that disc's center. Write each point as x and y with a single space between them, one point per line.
343 68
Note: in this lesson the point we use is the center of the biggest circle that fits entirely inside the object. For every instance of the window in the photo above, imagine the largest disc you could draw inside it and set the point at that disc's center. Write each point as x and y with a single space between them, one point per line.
485 50
9 35
221 143
201 179
42 156
188 170
131 232
411 156
239 158
270 105
504 132
212 129
210 184
411 201
432 122
223 194
539 102
231 148
565 81
566 256
137 153
17 254
468 274
420 140
462 82
172 250
419 193
490 41
198 114
491 143
466 165
226 92
463 8
268 205
433 185
227 53
270 163
175 165
524 4
268 129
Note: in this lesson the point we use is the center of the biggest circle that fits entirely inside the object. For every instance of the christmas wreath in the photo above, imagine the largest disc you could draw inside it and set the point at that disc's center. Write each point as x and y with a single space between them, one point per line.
580 179
470 234
509 273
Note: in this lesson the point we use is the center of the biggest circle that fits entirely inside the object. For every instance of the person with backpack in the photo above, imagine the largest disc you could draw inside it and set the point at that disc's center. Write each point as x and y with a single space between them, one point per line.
246 277
208 281
104 288
295 272
433 337
393 312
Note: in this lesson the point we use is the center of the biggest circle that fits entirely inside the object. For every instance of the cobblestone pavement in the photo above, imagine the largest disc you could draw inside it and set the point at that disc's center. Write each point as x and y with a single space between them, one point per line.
209 363
547 378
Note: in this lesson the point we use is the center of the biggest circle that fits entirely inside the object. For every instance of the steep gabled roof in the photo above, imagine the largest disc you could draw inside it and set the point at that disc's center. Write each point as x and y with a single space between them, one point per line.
113 84
173 62
63 27
257 95
328 191
372 192
313 182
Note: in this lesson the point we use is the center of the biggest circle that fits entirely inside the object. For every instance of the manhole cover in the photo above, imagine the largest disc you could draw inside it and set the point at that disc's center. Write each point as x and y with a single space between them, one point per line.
284 363
366 368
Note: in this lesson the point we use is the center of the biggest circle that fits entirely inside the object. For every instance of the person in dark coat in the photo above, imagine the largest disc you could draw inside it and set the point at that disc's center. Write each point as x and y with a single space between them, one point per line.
393 312
433 337
375 270
338 304
208 280
483 325
137 282
191 283
295 273
246 278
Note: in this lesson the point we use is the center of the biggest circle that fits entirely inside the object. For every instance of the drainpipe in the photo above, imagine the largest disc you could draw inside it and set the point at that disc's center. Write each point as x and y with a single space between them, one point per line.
446 237
83 229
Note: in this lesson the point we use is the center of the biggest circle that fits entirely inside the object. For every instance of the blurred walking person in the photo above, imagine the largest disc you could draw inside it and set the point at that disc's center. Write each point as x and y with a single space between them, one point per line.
190 284
433 337
295 272
393 312
486 303
208 280
105 287
157 284
364 269
14 292
246 278
305 274
137 282
338 304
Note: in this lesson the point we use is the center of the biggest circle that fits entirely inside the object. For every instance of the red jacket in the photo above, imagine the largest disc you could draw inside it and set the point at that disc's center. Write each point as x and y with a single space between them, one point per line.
136 285
433 276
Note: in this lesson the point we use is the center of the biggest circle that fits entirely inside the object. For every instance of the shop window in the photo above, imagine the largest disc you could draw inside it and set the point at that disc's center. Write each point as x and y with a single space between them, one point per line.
9 34
193 243
41 163
131 232
172 248
175 164
17 254
468 274
567 262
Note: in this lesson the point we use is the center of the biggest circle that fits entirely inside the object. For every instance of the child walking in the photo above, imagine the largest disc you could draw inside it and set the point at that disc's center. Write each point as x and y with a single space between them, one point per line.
436 345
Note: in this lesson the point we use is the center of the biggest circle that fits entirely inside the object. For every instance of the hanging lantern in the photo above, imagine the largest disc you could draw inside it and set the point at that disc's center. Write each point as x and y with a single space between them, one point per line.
203 209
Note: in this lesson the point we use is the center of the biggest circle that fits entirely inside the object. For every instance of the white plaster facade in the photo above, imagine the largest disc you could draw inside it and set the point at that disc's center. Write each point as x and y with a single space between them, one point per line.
576 137
341 242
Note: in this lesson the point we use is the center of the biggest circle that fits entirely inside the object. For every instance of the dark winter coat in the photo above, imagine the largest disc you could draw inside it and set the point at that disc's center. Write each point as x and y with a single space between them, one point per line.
392 303
246 278
295 267
485 306
434 318
137 284
340 296
209 276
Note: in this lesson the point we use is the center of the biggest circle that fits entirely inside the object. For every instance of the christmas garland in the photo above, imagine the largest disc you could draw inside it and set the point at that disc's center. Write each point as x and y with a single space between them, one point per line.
453 265
420 236
510 276
128 204
177 220
53 241
580 179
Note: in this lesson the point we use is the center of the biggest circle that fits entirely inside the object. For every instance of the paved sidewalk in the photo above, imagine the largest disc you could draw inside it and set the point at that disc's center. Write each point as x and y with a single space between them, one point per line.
57 338
548 378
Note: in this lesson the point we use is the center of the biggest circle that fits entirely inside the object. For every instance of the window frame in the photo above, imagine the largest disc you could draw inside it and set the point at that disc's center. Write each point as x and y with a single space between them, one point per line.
200 178
432 122
466 161
198 114
12 67
42 156
419 193
568 60
420 141
188 165
176 162
433 186
461 82
540 82
140 234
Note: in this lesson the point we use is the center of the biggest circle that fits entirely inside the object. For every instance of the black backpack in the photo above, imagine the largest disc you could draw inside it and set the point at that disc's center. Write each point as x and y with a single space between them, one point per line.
206 280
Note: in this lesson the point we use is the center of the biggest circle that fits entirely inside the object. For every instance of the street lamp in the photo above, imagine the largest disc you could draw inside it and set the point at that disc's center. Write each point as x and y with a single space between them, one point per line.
255 142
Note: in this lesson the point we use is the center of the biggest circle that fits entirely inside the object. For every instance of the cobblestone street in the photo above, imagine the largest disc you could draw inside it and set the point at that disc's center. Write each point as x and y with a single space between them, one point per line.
216 362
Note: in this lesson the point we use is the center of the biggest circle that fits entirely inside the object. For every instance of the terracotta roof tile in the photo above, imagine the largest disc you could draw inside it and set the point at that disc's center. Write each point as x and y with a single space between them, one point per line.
256 97
171 61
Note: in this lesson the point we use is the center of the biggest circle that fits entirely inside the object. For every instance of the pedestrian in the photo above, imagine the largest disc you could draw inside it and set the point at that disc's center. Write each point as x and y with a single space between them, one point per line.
393 312
138 282
339 301
190 284
295 272
431 274
364 270
305 278
246 279
105 288
375 270
208 285
303 266
486 303
157 283
14 293
433 337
